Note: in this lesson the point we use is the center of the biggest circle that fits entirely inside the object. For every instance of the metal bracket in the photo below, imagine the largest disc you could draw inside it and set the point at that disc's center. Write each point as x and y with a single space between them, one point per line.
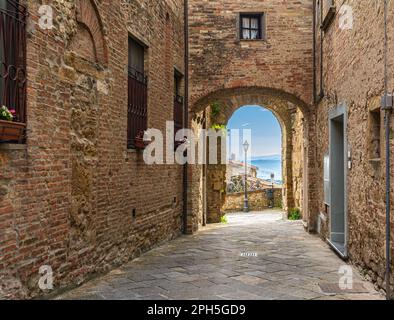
387 102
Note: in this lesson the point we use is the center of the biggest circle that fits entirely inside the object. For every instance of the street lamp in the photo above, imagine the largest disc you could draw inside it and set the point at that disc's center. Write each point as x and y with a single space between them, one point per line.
246 202
272 196
273 179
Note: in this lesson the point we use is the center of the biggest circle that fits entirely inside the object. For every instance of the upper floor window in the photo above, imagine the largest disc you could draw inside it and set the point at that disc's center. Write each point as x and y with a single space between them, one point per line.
137 113
13 58
252 26
178 102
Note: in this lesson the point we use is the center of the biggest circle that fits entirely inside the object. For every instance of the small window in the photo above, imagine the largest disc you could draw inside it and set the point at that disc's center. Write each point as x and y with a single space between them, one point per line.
136 57
375 135
178 102
252 26
318 13
177 82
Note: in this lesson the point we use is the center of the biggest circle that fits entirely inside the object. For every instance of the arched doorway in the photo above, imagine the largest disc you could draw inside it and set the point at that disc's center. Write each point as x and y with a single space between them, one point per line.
294 117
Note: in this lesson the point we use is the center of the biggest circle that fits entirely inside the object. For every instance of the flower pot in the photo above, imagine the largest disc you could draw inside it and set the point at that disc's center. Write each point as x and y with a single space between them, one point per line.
11 131
178 143
140 143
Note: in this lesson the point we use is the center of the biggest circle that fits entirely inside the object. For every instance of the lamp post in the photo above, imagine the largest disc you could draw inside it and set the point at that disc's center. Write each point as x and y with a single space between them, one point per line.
272 191
246 202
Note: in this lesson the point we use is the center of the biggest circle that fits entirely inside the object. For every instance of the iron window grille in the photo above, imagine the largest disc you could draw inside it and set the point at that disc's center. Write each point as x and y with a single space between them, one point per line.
178 114
251 26
178 105
13 76
137 106
137 115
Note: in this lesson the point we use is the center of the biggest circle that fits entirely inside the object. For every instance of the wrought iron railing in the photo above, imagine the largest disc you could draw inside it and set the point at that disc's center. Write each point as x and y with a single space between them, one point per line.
137 106
13 57
178 114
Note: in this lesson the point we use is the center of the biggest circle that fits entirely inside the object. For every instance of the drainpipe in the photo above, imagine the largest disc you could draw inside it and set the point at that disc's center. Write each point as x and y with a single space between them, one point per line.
314 52
186 112
387 105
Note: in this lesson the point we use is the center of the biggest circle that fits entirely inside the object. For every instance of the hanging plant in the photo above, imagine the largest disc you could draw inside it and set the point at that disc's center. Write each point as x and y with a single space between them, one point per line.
215 109
216 117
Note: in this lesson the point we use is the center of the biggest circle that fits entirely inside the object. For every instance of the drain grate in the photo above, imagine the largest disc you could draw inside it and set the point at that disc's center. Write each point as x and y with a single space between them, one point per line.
334 288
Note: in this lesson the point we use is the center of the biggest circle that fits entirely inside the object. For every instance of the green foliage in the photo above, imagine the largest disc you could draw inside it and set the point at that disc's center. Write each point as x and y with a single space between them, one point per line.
223 220
295 214
6 114
219 127
215 109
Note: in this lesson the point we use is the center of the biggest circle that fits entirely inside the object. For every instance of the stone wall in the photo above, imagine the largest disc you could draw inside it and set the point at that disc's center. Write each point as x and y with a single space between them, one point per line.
74 197
298 158
353 72
258 201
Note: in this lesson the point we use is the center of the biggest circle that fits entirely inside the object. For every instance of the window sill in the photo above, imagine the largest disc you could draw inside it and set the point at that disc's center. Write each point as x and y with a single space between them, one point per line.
377 160
135 150
12 146
252 40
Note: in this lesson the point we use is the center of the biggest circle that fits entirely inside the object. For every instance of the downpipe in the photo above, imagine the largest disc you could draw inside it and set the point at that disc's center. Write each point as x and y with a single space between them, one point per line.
387 105
186 113
388 205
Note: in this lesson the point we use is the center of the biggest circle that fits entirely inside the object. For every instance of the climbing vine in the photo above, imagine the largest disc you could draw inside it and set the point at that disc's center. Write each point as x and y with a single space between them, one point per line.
216 115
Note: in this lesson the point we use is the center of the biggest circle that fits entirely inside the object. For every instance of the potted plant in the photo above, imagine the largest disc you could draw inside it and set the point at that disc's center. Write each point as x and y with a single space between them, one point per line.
140 143
180 142
10 131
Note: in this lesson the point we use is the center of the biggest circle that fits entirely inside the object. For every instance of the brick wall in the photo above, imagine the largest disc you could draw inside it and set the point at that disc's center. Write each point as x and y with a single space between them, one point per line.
219 60
74 197
353 76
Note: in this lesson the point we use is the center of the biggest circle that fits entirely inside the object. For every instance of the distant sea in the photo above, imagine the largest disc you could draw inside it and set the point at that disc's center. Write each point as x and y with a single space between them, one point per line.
268 165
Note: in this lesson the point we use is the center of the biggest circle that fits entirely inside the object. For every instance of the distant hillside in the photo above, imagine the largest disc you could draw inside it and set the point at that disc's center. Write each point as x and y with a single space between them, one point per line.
275 157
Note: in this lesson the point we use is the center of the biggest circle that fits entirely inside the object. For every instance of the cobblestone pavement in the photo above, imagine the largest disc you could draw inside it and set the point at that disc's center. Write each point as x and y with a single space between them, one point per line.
282 262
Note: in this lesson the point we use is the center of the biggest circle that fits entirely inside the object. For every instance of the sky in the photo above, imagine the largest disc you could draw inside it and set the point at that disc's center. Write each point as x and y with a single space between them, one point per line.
265 129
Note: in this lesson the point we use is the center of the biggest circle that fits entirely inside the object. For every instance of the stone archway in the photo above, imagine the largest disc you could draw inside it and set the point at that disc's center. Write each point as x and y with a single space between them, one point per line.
294 117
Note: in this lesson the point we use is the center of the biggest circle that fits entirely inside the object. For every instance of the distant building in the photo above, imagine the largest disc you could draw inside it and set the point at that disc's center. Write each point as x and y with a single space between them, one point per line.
237 168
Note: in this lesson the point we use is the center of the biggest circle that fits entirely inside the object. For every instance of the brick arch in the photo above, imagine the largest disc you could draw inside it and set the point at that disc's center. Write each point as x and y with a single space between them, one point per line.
87 14
284 106
250 95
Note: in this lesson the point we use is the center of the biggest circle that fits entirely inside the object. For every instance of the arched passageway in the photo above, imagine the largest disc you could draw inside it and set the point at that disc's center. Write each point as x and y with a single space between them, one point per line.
207 183
264 134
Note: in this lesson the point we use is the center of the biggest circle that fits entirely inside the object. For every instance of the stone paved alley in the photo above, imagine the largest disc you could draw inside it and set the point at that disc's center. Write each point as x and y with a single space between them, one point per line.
290 264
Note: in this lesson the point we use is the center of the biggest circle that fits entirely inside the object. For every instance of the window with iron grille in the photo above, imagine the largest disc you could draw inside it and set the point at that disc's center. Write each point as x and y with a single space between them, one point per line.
13 58
178 103
252 26
137 94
